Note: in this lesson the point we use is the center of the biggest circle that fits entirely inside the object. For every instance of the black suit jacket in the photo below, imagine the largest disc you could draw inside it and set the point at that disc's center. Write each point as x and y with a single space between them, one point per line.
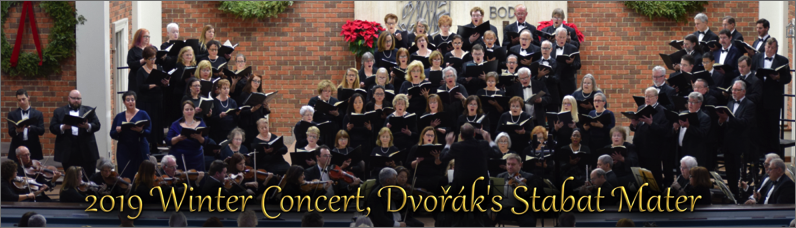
528 177
651 139
566 72
573 36
536 86
694 141
513 28
516 49
783 192
471 157
736 35
314 173
772 89
739 127
670 93
709 35
466 45
754 88
733 54
65 139
34 131
379 215
762 48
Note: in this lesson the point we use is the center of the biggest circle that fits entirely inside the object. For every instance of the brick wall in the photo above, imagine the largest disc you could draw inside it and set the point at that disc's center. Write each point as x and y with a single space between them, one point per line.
118 10
622 46
47 92
293 52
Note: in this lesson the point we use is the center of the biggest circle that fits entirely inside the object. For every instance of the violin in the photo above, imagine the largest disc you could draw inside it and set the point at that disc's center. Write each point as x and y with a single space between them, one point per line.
36 169
516 180
233 179
84 186
115 179
262 174
314 185
24 183
338 174
192 174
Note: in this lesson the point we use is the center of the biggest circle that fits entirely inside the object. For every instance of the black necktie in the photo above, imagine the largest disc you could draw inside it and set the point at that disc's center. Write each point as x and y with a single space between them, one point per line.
761 40
24 112
698 32
722 50
526 87
72 108
657 87
769 58
560 48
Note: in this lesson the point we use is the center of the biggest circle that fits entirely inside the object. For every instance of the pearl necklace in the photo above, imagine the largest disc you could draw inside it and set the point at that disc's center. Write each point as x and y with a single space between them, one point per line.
385 55
223 105
512 118
468 118
383 151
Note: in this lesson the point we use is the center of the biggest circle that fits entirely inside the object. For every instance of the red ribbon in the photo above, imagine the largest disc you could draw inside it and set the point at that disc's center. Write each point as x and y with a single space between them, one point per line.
27 10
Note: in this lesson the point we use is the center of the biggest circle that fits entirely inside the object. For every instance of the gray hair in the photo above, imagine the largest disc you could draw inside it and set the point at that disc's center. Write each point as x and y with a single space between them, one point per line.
37 220
512 56
606 159
525 31
659 69
772 156
560 29
689 161
703 82
167 158
104 162
363 221
177 219
172 26
655 91
449 69
605 98
524 70
696 95
367 57
503 134
19 149
247 219
777 163
743 84
305 109
702 17
546 42
793 223
385 174
599 171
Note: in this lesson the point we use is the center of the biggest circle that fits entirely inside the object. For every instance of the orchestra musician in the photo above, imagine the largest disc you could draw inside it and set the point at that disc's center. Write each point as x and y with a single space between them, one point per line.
168 167
745 190
778 190
428 171
214 182
236 164
131 141
402 180
294 184
189 147
135 58
515 177
70 188
606 163
380 216
598 183
12 193
26 135
75 145
683 182
109 180
145 180
152 98
34 169
321 171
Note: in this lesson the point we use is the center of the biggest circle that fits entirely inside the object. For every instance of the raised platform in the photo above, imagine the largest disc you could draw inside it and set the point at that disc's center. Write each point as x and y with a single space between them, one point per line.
714 216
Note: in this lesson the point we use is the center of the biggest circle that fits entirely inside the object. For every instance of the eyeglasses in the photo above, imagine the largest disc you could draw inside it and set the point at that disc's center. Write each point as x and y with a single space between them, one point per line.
257 81
656 77
238 61
326 156
196 86
213 49
150 59
547 48
693 103
595 100
737 90
129 100
146 36
477 15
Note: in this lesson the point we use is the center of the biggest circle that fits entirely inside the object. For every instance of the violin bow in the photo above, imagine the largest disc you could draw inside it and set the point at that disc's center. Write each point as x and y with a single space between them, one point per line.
120 174
255 165
187 178
414 180
25 179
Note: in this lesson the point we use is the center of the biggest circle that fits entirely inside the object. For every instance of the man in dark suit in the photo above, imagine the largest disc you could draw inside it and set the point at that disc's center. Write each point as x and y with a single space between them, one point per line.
321 172
525 49
379 215
471 157
565 70
703 31
652 134
772 99
473 84
754 88
718 81
598 181
727 54
25 135
520 12
524 89
762 27
691 137
215 181
729 23
737 127
476 19
714 136
746 191
549 77
687 64
778 190
558 22
605 162
691 47
513 171
75 145
659 83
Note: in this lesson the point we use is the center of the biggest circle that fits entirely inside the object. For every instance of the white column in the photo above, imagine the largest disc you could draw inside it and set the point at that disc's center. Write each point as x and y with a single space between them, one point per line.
147 14
776 12
94 65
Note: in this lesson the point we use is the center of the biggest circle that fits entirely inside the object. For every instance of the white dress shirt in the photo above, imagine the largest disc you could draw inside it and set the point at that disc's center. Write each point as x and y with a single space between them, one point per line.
520 26
761 43
559 51
771 190
737 104
723 54
528 93
25 116
767 63
702 35
325 177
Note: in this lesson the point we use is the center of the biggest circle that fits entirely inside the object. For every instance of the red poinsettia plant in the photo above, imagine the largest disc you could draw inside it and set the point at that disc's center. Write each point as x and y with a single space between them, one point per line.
543 24
361 36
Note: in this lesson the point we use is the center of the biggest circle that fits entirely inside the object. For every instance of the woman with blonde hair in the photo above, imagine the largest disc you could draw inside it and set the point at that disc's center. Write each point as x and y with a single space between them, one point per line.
350 81
563 131
415 77
177 86
404 135
208 34
324 90
384 147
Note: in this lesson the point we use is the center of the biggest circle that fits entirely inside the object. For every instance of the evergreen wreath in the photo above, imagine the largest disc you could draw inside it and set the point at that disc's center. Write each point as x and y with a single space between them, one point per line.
62 41
674 10
254 9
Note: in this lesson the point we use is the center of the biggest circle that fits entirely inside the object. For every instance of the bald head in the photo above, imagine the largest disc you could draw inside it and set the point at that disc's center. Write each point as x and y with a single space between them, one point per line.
520 12
75 99
467 130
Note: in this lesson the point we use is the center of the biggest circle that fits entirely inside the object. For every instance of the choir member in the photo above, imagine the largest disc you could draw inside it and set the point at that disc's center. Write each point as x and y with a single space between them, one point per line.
193 94
476 19
237 84
10 192
25 135
75 145
385 147
208 34
761 26
131 141
525 90
687 65
691 138
659 83
444 22
350 81
382 79
525 48
428 172
403 138
561 131
152 97
779 188
692 48
386 50
718 81
565 70
651 138
510 70
728 23
623 163
360 135
490 39
380 215
368 69
421 28
306 113
516 115
606 163
144 181
548 77
378 103
588 87
455 106
772 98
248 116
402 57
435 106
391 20
312 138
703 31
457 52
324 91
727 54
683 182
213 58
437 61
513 172
754 87
502 145
187 147
177 85
558 22
270 159
234 145
571 160
69 188
714 138
598 132
473 84
343 148
493 107
204 72
421 41
415 77
520 12
737 129
173 34
473 112
223 120
135 58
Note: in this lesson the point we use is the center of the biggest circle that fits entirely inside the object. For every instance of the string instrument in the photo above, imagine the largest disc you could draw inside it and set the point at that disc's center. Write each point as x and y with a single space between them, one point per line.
339 174
23 184
84 186
516 180
311 186
262 174
233 179
191 174
417 191
37 169
115 179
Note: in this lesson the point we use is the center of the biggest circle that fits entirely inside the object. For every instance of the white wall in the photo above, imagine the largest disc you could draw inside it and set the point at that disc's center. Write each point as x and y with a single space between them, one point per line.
776 12
94 66
147 14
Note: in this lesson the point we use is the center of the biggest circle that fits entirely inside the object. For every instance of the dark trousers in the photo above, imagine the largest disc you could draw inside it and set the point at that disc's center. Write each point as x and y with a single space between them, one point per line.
768 124
732 165
524 220
77 159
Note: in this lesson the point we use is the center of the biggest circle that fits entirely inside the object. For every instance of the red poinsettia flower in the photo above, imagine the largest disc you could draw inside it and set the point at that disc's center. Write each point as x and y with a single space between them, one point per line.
543 24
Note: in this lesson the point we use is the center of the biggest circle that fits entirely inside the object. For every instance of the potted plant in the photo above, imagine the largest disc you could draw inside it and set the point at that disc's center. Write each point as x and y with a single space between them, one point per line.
361 36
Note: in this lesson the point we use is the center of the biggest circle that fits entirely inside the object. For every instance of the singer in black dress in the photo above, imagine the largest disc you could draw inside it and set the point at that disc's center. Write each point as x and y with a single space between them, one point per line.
150 98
